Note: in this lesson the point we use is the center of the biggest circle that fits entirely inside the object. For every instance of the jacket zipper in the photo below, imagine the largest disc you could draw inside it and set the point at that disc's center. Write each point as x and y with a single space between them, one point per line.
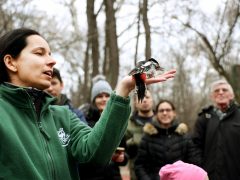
45 134
167 133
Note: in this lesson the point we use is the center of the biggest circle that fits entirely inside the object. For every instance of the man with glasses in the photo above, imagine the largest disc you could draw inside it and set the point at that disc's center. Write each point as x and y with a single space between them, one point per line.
217 134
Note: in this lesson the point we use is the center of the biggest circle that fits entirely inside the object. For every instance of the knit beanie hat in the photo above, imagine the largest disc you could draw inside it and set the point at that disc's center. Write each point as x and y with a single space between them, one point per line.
100 85
182 171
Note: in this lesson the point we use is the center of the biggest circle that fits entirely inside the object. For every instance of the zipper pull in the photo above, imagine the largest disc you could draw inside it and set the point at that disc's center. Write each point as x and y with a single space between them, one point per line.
45 134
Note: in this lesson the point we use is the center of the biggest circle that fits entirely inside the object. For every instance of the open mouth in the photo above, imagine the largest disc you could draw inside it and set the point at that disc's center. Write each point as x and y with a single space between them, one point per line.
49 73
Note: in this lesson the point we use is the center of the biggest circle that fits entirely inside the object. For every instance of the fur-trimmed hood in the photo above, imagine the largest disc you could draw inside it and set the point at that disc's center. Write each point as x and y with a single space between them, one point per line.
154 128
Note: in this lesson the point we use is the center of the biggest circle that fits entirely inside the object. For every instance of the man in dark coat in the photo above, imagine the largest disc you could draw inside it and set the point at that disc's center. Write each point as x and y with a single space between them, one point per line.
217 134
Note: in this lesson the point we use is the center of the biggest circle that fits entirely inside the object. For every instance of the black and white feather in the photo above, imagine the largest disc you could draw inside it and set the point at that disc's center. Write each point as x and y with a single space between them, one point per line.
148 67
144 69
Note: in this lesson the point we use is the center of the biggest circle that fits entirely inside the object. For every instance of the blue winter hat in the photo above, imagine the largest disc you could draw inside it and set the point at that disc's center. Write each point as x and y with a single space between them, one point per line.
100 85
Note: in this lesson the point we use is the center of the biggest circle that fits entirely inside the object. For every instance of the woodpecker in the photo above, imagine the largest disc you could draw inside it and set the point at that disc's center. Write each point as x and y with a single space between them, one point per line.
142 71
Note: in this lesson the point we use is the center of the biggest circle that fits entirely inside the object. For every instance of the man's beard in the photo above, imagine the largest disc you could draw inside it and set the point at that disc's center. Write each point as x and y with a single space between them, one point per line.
145 111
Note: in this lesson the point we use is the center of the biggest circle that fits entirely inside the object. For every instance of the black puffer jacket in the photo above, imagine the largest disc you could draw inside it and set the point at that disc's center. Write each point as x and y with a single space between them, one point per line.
163 146
218 136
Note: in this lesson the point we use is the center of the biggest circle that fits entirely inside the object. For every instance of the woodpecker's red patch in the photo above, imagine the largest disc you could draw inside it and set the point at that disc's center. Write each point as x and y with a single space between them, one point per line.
143 76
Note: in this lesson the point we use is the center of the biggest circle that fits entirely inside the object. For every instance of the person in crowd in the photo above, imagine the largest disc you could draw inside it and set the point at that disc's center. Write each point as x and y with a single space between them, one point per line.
182 171
217 133
142 114
165 141
55 90
100 94
44 141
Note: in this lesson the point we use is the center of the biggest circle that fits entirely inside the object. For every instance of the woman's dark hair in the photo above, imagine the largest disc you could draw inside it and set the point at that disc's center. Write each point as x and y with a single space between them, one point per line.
163 101
13 43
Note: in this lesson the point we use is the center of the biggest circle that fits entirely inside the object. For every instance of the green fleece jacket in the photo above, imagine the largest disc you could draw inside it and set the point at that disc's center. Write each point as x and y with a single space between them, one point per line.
49 146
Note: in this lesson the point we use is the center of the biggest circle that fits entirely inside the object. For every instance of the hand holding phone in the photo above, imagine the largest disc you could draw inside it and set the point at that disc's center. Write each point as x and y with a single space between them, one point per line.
118 155
120 150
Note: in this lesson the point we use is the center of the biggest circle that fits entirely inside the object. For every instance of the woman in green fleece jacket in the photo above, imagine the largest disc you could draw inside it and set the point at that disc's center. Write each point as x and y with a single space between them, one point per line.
43 141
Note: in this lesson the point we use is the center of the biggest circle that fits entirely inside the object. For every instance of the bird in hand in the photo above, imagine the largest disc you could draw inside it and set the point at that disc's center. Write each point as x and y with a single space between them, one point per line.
142 71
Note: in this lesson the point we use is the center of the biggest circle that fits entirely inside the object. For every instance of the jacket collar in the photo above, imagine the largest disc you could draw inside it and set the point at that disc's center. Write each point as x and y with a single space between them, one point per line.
23 97
155 128
139 120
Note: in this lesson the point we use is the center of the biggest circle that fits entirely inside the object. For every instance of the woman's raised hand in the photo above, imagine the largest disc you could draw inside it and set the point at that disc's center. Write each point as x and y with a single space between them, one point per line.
127 84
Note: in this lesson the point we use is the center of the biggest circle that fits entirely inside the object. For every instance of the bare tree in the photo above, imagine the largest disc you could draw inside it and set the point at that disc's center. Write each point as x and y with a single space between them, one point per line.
93 37
138 31
91 59
111 68
147 29
16 17
219 52
6 20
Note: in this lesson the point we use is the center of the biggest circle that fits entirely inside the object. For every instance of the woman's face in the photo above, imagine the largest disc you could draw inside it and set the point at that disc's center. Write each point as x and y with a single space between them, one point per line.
165 114
101 101
34 66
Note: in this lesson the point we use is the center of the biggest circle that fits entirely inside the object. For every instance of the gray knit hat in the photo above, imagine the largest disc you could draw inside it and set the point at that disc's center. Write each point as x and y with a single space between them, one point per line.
100 85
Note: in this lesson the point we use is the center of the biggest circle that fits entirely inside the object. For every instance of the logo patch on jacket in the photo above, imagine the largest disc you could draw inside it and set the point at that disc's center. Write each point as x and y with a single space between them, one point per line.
63 137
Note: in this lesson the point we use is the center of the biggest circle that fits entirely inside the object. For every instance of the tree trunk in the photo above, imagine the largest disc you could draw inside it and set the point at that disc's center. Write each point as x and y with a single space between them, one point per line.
93 37
138 33
112 53
147 29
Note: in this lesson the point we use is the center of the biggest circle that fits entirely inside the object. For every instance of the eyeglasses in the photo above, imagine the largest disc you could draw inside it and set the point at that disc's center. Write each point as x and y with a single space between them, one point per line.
220 90
162 110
